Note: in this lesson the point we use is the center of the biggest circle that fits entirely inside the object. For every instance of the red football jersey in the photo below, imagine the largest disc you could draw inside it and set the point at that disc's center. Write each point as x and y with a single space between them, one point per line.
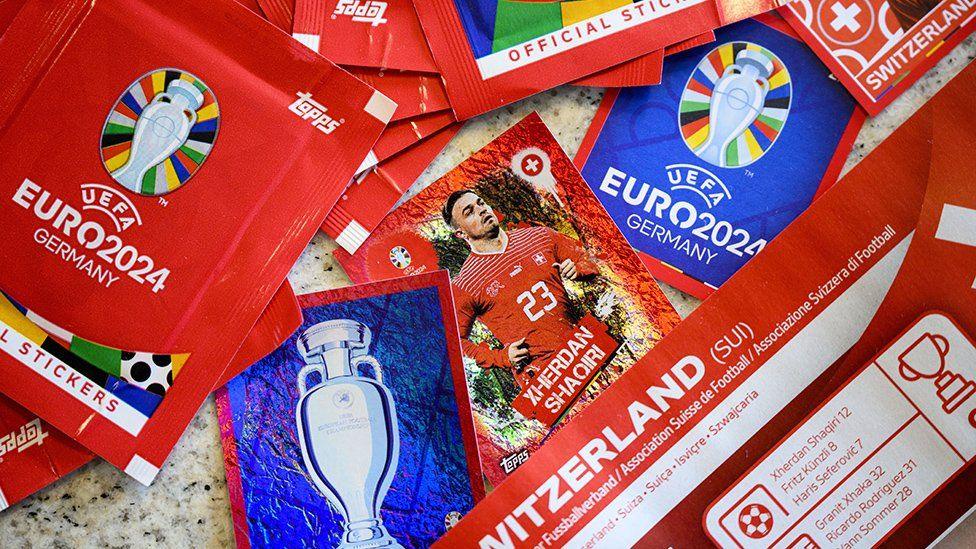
518 293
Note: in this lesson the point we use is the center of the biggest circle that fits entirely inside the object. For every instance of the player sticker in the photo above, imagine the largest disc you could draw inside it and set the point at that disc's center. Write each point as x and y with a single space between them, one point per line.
792 408
159 132
346 432
878 48
701 172
552 303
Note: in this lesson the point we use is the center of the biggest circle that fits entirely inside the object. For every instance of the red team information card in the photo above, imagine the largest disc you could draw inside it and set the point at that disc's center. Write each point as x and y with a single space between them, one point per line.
872 454
878 48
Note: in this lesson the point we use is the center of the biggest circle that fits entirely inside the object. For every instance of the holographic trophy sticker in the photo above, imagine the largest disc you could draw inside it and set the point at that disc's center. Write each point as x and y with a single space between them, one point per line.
159 132
356 433
347 427
735 104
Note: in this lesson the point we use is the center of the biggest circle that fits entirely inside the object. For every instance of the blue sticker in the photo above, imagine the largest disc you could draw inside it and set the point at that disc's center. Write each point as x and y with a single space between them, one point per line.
703 170
380 456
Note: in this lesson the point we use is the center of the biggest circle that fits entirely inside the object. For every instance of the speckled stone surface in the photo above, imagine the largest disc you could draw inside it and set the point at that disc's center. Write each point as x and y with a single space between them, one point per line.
187 505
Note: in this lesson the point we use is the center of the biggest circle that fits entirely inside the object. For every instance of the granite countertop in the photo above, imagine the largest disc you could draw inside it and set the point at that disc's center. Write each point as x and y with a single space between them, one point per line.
188 504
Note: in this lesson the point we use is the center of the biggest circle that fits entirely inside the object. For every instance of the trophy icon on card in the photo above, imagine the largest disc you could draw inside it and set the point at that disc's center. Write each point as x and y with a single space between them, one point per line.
925 359
737 100
347 426
162 128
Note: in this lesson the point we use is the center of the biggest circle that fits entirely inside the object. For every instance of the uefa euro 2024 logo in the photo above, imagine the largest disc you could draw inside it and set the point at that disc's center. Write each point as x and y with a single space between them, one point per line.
160 131
735 104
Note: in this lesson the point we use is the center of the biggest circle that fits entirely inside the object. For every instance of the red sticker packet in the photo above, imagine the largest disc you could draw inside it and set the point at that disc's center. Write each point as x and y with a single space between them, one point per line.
878 48
402 134
34 455
372 195
118 207
8 10
415 93
252 5
494 52
643 71
280 13
367 33
835 407
553 304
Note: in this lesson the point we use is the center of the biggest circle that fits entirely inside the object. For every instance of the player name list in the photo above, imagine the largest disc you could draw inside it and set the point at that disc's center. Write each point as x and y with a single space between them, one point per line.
848 476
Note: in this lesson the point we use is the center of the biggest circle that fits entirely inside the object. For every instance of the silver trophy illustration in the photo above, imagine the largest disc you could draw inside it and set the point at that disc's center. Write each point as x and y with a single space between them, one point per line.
162 128
347 426
737 100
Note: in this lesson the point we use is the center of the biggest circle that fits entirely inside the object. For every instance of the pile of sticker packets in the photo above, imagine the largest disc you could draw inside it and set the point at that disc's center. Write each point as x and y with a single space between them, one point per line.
710 106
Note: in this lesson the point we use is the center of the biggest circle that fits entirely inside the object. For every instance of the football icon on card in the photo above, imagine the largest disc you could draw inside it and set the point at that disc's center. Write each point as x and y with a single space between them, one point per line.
754 518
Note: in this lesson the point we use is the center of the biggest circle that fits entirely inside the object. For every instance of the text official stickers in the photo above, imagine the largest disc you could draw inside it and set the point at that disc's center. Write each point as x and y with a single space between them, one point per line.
878 48
494 52
702 171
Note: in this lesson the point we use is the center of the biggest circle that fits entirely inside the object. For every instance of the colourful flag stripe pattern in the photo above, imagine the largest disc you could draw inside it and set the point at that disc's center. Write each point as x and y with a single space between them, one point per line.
171 173
696 98
517 21
85 356
16 316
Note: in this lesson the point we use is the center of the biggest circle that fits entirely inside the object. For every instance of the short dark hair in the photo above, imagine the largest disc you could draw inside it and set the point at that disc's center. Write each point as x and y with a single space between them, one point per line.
447 212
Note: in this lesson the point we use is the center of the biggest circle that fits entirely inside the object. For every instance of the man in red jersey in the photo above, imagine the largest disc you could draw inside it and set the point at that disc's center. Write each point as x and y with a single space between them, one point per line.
513 283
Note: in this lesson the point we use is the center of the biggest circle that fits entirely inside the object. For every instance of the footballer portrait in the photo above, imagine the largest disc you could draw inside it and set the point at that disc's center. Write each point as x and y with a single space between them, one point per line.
513 282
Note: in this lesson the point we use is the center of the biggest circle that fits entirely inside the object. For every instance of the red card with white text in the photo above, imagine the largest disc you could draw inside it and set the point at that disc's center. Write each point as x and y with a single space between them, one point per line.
878 48
553 304
151 218
824 396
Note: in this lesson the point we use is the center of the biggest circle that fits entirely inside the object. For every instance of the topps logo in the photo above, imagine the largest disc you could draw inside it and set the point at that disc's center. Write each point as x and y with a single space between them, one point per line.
362 11
511 462
309 109
29 434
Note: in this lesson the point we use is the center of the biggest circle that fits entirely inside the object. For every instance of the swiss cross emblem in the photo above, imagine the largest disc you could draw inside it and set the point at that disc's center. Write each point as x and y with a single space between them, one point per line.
532 164
539 258
847 22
